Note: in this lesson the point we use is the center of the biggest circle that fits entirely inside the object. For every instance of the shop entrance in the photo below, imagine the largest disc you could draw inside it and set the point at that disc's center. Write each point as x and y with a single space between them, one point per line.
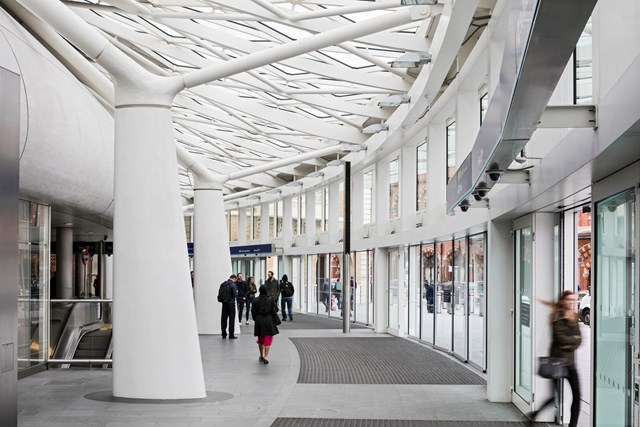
615 390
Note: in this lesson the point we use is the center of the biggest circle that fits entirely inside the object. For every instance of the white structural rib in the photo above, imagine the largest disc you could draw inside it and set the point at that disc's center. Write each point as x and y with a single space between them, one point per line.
299 47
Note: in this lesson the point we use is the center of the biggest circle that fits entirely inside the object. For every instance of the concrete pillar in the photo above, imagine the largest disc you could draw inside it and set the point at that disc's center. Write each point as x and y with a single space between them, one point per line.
108 277
381 289
211 258
64 263
499 293
79 276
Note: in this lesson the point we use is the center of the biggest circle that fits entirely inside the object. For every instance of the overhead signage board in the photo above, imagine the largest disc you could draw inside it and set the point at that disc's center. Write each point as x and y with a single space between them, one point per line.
252 249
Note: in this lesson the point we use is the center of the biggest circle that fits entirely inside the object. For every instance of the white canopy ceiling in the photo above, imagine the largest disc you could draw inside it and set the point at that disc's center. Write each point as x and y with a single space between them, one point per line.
288 107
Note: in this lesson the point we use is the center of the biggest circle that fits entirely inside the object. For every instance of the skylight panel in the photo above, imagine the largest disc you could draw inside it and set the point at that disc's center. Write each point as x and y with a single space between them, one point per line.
348 59
290 71
291 33
173 61
314 112
164 29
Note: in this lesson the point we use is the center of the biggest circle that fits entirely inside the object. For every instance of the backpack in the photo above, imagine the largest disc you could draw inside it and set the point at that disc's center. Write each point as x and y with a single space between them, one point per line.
287 289
224 293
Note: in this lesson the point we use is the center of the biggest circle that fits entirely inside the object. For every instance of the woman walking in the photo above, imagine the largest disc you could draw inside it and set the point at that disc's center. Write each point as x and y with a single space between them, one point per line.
566 339
251 293
265 317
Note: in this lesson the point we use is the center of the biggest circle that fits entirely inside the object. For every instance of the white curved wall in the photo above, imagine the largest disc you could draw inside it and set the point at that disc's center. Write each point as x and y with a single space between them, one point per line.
66 136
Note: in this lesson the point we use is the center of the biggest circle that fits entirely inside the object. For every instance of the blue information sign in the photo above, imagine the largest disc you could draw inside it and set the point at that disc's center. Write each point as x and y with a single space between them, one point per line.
251 249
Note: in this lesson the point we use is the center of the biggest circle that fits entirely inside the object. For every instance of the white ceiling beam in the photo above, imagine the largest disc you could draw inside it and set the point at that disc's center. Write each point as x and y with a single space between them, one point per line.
302 46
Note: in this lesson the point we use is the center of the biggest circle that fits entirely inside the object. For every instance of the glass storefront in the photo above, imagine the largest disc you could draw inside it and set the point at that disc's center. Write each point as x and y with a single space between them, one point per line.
523 275
362 291
428 270
476 300
414 291
444 295
460 297
614 310
393 276
33 283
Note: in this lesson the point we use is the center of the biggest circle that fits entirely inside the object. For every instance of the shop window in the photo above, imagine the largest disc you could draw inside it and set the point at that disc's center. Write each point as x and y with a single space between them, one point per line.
583 67
367 198
279 217
451 150
421 177
257 212
484 105
394 188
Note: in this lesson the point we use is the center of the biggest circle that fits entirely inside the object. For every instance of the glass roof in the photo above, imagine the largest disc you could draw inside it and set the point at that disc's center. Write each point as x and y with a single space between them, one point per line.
306 102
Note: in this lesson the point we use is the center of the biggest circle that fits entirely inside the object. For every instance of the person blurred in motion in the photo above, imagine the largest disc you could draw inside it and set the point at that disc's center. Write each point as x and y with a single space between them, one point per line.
566 339
265 314
251 294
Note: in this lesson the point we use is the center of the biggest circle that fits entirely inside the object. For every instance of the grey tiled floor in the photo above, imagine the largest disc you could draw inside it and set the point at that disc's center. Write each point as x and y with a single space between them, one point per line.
259 393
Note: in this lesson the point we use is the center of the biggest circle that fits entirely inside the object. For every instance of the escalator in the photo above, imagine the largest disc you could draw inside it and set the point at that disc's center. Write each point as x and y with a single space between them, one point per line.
85 336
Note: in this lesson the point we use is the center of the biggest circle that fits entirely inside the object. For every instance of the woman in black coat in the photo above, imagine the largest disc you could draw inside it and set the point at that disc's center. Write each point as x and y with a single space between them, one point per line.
566 339
264 312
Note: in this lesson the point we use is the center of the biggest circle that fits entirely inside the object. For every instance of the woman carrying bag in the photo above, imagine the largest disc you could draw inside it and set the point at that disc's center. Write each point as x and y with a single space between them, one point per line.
566 339
265 317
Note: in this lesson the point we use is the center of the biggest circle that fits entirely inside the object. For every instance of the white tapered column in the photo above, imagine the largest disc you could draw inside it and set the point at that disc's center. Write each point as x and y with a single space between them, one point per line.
211 258
156 347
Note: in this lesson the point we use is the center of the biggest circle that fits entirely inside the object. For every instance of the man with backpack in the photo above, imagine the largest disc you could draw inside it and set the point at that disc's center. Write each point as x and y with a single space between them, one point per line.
227 294
286 297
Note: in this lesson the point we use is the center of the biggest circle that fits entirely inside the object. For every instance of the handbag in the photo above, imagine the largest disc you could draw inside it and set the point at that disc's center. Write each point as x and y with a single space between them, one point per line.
552 367
276 318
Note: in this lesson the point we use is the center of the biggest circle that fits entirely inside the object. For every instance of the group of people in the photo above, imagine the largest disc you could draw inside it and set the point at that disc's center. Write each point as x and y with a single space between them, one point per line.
235 293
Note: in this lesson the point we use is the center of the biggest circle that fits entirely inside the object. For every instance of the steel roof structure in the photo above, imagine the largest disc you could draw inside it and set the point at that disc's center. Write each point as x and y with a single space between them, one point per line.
290 106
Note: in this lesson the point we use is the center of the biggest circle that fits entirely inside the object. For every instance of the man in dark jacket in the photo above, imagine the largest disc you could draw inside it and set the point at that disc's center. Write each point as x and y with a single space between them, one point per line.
286 297
242 294
229 309
273 287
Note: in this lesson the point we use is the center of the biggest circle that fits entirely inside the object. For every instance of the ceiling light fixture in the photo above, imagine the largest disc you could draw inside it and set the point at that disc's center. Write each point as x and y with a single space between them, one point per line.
375 128
411 60
337 162
394 100
294 184
418 2
355 148
316 174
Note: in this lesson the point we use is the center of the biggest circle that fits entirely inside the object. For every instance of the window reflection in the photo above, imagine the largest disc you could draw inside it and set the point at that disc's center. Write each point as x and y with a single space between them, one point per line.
33 283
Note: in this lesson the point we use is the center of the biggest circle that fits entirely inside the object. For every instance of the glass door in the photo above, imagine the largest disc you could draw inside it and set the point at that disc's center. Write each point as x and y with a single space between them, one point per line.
476 300
444 295
613 307
428 270
523 246
414 291
460 297
394 267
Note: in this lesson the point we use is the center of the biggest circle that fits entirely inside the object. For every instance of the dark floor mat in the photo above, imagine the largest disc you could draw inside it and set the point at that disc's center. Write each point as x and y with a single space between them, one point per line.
305 321
335 422
376 361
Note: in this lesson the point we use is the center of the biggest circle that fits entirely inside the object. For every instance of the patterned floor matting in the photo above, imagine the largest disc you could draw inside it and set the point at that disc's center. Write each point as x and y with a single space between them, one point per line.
333 422
302 321
376 361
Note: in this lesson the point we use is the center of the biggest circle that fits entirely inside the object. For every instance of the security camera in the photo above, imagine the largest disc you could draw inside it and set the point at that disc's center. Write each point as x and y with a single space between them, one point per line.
494 172
476 196
521 158
482 189
464 205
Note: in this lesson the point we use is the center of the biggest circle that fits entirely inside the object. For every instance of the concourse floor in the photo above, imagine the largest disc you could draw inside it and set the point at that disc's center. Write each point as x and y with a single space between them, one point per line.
317 376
